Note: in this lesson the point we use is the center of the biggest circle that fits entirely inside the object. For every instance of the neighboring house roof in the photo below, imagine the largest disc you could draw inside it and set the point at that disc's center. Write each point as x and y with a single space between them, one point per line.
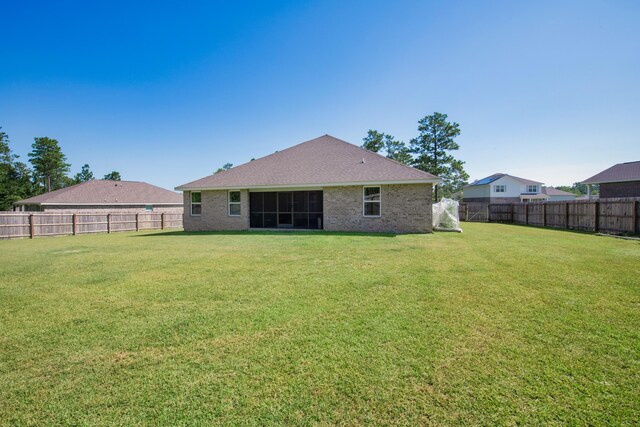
496 176
550 191
319 162
621 172
102 192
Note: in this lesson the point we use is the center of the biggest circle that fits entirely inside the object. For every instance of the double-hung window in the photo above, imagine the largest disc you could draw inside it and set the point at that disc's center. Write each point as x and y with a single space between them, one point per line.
532 188
500 188
196 203
234 203
371 201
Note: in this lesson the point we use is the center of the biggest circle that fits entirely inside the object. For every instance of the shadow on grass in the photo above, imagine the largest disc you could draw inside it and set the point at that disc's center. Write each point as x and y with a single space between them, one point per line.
277 233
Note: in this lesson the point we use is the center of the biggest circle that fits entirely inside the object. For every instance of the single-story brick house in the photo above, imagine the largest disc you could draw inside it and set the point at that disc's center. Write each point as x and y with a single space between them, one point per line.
102 195
621 180
324 183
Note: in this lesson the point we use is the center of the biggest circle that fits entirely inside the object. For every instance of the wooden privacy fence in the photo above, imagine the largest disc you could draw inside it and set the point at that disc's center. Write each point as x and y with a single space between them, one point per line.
15 225
615 216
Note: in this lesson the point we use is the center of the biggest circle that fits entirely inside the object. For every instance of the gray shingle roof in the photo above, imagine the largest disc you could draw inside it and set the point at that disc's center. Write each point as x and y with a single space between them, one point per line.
321 161
99 192
550 191
621 172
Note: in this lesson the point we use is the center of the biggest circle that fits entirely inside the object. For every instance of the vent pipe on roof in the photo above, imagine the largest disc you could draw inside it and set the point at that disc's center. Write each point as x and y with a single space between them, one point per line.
362 161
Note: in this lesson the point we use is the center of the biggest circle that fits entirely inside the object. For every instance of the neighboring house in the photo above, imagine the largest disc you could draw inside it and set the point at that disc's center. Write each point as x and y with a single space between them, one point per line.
325 183
503 188
555 195
621 180
101 195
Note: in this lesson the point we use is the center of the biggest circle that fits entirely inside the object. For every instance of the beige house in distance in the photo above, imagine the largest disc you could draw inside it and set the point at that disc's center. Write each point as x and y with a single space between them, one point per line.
101 195
322 184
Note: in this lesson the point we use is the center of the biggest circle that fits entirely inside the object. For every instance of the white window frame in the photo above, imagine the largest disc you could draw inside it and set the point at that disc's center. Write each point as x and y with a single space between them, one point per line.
229 202
148 208
192 203
503 188
530 186
379 202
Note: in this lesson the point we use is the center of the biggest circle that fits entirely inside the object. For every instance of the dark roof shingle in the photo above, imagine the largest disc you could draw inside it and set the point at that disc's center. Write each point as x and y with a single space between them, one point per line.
320 161
100 192
621 172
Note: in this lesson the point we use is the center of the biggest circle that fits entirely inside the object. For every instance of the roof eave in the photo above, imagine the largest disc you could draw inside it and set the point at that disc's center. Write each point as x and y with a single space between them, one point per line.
95 204
188 187
589 181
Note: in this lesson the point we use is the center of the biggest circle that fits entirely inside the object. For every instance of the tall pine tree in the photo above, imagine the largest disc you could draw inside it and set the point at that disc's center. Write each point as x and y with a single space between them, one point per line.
432 149
50 165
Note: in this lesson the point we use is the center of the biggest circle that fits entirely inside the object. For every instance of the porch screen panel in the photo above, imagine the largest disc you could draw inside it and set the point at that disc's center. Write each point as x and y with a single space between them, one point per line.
286 209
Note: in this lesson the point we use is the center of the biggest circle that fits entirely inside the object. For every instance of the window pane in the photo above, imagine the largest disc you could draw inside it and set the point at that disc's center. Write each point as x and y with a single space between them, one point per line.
196 209
256 220
196 197
270 202
284 219
234 196
300 201
255 202
284 202
270 220
372 209
315 221
315 201
300 220
234 209
371 194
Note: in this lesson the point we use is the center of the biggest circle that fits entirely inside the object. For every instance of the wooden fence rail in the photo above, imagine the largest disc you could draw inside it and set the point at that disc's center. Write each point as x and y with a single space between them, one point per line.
14 225
614 216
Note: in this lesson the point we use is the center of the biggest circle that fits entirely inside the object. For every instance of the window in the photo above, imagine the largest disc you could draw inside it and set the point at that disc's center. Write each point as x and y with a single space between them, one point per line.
371 201
532 188
500 188
234 203
148 208
196 203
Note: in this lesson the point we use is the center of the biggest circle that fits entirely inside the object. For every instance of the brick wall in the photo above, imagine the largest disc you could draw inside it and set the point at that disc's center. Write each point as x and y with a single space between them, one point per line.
215 212
405 209
620 189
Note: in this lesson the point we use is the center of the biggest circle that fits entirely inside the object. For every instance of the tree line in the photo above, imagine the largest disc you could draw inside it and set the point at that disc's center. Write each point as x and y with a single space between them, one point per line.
429 151
48 171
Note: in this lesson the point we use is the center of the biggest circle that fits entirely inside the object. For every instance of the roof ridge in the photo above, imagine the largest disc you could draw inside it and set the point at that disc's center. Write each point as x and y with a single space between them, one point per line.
378 154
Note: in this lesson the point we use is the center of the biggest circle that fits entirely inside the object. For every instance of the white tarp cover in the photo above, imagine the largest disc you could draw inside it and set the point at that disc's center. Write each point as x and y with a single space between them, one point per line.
445 216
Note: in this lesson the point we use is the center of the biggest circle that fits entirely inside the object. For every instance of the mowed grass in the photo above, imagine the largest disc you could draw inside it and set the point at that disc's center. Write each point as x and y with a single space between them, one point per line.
499 325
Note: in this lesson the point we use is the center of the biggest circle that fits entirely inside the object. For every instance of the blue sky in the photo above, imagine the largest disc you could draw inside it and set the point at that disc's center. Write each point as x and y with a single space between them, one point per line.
167 92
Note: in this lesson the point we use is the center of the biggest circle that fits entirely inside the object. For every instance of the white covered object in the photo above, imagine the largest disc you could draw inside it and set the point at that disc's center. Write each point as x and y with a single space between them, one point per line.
445 216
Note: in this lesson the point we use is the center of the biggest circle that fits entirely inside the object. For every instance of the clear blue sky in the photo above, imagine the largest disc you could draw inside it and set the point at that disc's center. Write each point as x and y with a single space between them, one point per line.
168 92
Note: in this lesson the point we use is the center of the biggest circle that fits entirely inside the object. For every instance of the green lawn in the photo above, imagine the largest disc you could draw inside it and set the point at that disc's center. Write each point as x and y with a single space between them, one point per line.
498 325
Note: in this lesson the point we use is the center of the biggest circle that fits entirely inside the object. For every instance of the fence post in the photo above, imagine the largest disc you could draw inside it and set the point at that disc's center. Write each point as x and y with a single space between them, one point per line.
137 222
596 215
74 224
526 214
162 221
566 215
466 213
108 223
32 227
489 212
544 214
